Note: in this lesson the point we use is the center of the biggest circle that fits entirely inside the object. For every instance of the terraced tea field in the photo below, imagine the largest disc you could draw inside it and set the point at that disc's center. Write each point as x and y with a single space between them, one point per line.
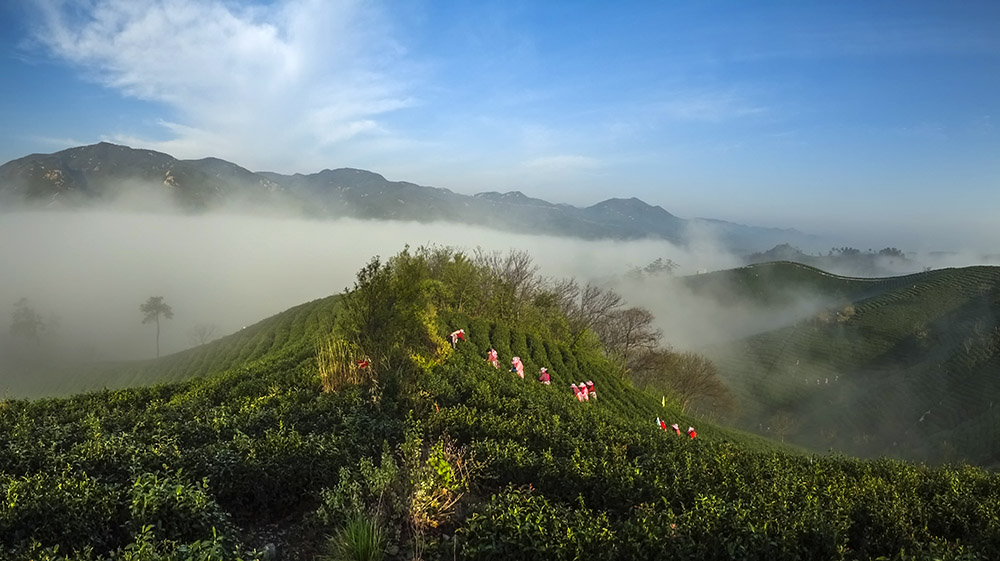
907 366
288 334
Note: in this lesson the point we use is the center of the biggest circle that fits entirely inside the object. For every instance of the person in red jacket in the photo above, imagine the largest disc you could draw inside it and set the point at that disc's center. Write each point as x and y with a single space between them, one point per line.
544 376
691 433
456 336
661 424
591 390
584 392
677 429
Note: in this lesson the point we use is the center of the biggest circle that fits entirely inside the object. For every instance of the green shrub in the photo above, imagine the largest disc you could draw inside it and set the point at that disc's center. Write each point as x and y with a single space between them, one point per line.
67 508
175 508
518 524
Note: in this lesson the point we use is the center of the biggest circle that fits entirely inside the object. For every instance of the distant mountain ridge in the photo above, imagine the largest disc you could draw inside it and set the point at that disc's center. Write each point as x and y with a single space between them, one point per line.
101 173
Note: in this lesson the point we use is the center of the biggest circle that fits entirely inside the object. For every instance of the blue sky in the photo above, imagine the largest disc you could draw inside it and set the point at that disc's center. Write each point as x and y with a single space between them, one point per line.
877 119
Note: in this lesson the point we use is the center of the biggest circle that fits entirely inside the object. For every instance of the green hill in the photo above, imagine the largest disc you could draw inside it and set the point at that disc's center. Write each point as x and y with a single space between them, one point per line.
771 283
905 366
290 332
441 454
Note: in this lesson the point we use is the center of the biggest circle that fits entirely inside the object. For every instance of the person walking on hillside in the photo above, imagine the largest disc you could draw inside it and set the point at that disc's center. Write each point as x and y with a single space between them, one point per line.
544 376
517 366
455 336
492 358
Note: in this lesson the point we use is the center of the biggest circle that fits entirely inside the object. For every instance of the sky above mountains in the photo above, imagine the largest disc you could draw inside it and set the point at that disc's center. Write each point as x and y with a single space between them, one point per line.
875 119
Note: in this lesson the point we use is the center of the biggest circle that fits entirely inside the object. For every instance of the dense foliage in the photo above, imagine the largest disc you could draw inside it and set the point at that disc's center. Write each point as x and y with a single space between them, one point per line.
439 455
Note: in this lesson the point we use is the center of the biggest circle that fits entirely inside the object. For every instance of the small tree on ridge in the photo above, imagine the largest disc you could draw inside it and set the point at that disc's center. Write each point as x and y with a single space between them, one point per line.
153 309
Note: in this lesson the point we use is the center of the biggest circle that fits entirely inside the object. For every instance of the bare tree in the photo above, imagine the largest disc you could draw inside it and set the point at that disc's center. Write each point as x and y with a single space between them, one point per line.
591 307
693 377
153 309
627 334
511 282
783 424
202 333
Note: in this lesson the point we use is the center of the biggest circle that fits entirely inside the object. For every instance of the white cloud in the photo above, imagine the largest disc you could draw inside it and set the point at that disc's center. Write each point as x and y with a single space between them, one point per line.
305 75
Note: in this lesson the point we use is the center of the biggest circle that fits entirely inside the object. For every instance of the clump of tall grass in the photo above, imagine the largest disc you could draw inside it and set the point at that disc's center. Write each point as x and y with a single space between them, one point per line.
361 539
341 363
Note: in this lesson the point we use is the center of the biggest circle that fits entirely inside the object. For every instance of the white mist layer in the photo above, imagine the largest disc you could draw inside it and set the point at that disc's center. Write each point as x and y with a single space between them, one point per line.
94 269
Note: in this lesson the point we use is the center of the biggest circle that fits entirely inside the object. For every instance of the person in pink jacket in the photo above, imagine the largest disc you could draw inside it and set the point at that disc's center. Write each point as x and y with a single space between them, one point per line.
493 358
544 376
584 392
517 366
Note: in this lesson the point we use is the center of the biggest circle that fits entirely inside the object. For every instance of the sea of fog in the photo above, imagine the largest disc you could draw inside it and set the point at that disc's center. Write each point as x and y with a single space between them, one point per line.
93 269
90 271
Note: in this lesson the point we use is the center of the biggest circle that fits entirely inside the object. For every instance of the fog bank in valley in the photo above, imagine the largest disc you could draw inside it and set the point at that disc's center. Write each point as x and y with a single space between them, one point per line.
87 272
93 269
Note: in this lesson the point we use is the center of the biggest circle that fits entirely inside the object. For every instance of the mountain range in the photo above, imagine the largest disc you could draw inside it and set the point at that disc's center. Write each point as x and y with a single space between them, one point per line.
103 173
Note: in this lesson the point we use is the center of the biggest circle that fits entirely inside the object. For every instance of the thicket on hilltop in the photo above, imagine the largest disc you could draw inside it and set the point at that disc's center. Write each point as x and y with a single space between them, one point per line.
692 380
392 319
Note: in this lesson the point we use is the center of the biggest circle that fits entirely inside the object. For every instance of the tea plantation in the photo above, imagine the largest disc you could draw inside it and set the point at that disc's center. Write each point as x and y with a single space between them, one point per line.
907 365
257 450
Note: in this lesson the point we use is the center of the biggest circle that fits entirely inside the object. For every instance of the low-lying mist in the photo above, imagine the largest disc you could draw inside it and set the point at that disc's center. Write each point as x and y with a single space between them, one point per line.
86 273
92 269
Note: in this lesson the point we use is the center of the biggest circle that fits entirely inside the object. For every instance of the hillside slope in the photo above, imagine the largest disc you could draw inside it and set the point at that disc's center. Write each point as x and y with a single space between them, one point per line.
905 366
104 173
463 461
292 332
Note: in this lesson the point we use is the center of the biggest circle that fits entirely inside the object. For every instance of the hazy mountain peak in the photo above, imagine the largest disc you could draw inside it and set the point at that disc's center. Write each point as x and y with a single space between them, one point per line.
629 205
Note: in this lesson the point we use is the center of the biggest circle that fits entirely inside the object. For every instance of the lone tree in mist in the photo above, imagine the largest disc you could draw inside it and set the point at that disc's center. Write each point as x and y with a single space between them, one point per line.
153 309
26 321
202 333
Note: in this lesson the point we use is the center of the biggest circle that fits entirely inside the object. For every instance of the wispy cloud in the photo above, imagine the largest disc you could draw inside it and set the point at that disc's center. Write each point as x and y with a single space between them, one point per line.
705 106
306 75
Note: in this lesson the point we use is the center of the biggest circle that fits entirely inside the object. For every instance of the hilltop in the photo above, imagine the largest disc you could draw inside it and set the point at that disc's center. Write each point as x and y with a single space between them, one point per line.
102 174
354 415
